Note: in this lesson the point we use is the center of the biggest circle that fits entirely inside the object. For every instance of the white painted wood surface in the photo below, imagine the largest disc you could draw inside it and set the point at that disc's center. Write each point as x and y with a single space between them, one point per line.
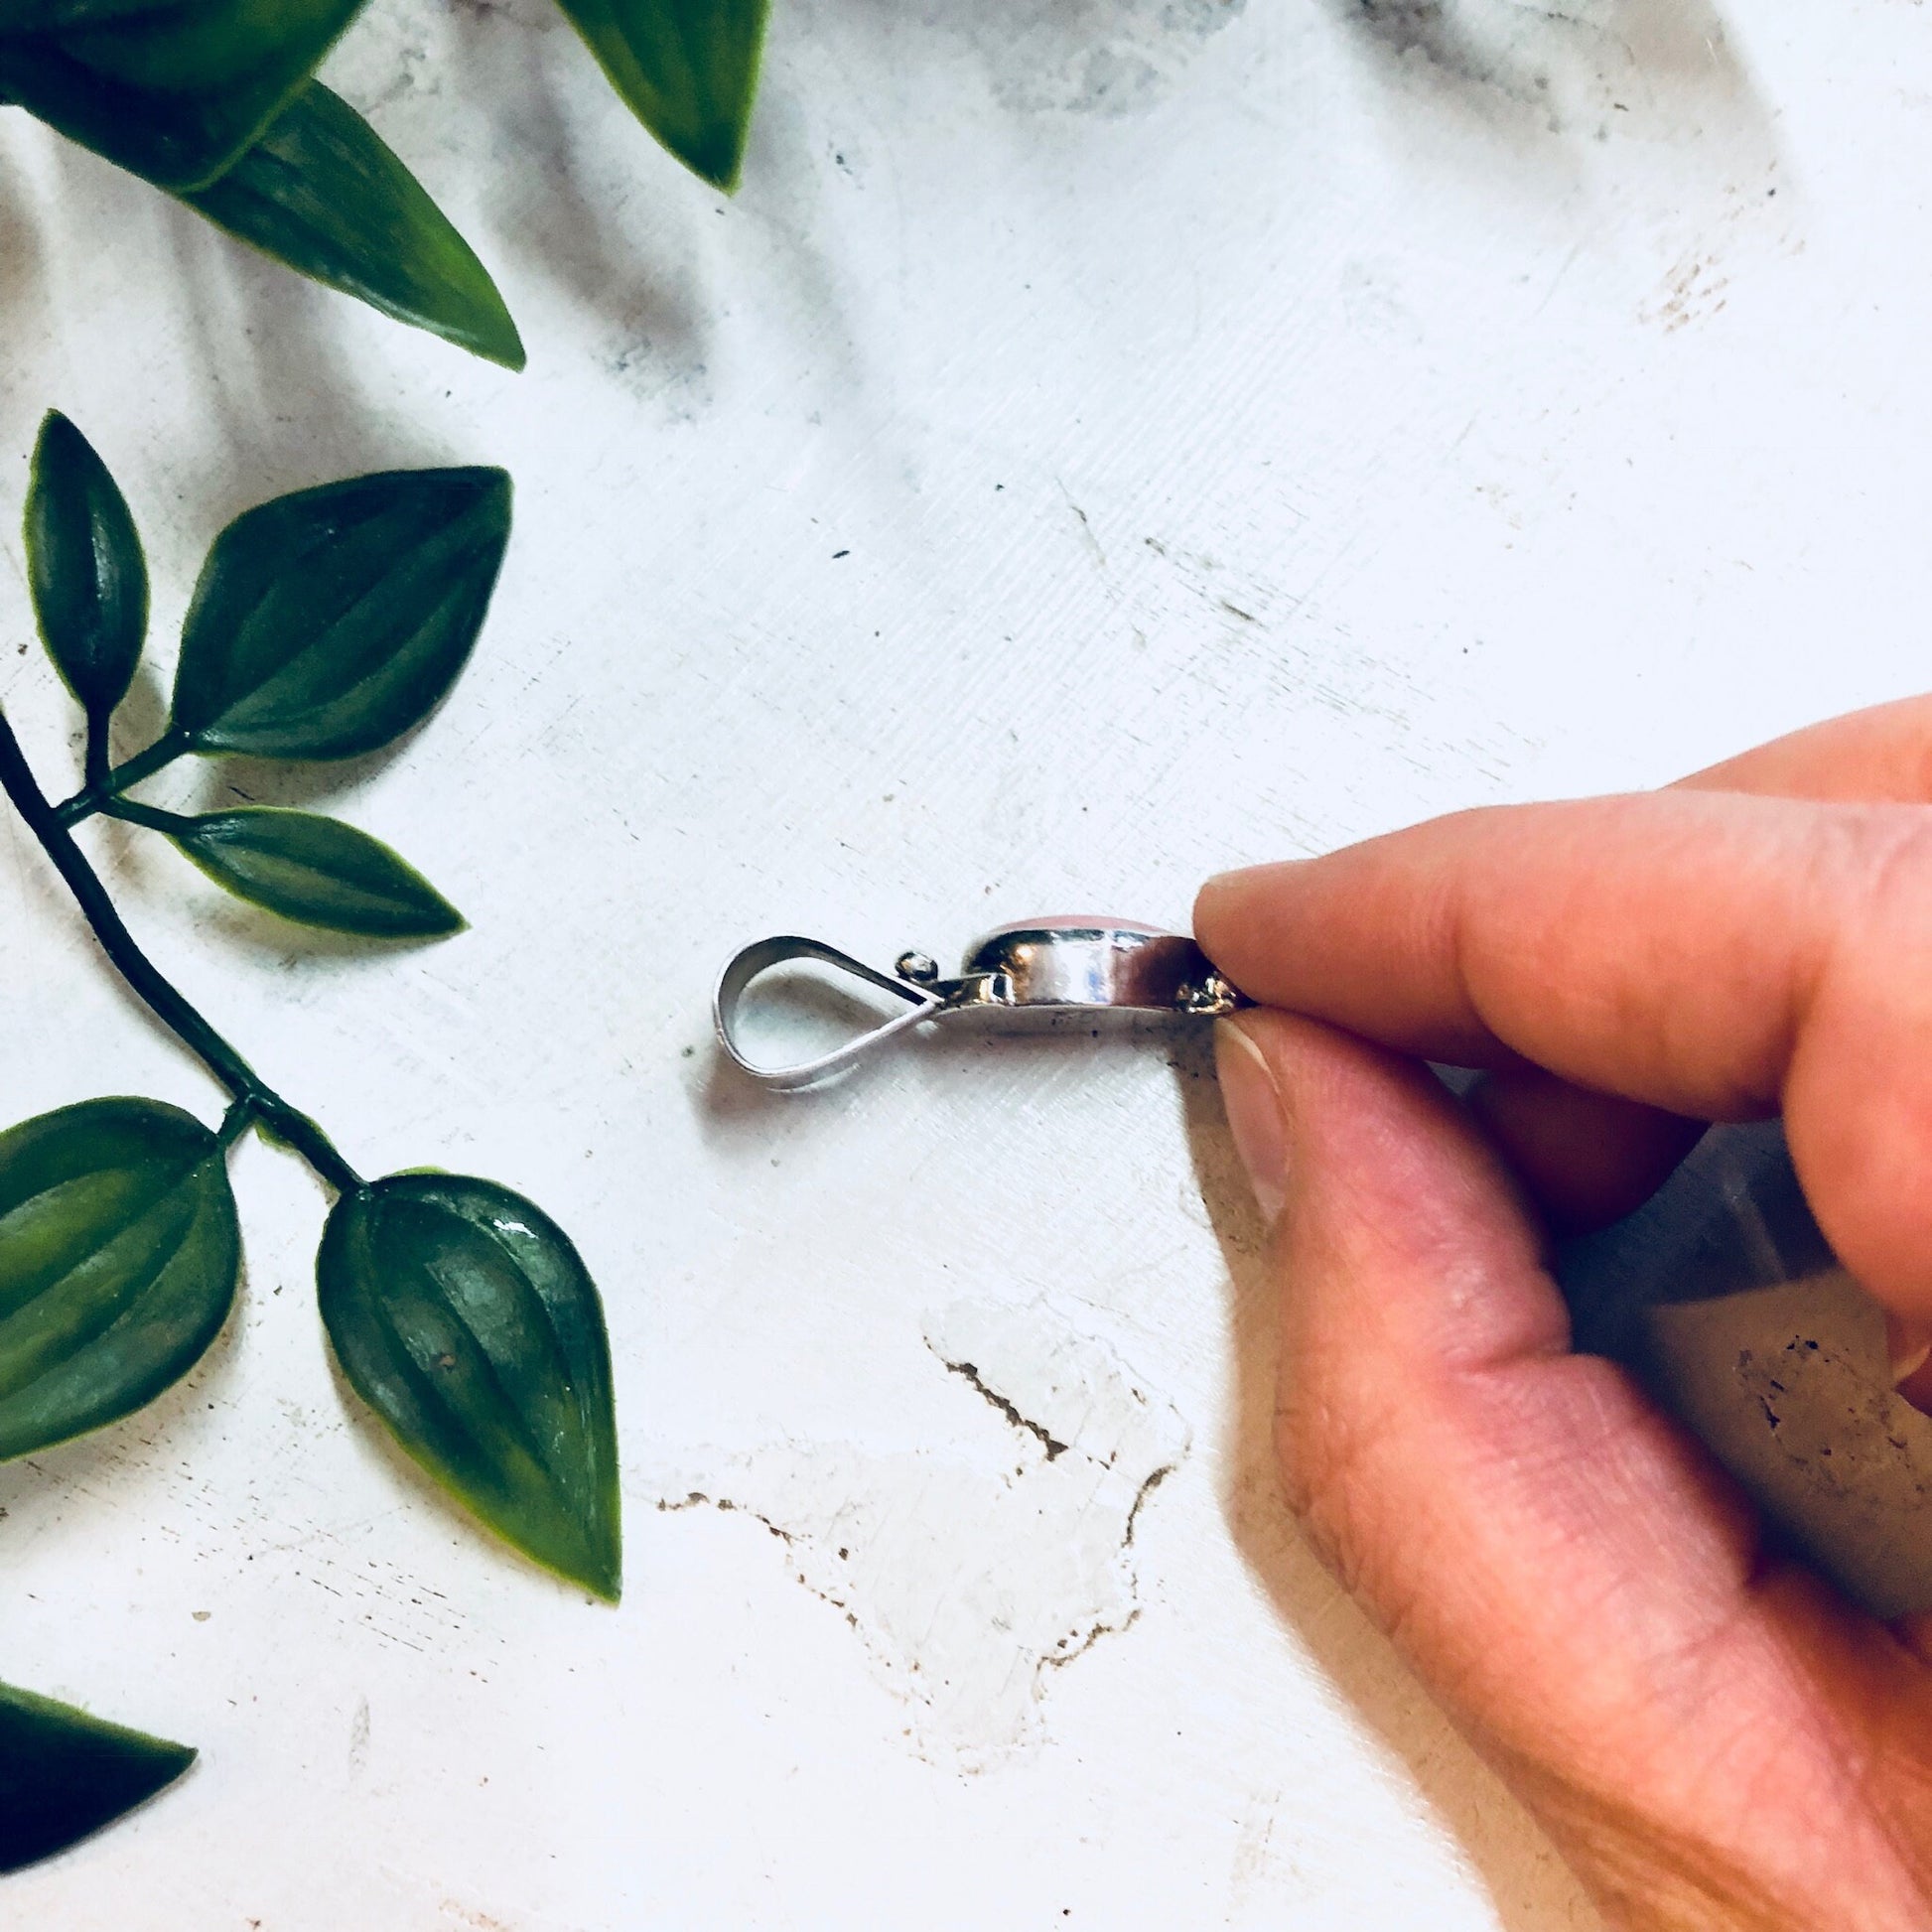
1106 440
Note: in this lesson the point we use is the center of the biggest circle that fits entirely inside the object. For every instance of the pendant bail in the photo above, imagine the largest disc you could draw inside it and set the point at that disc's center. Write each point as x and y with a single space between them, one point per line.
1049 965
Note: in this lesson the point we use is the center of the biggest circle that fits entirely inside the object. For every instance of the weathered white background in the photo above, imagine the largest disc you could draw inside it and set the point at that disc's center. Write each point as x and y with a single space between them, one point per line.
1246 427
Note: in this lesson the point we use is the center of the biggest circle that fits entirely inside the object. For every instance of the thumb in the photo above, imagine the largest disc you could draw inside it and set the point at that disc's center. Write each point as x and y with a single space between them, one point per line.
1450 1454
1572 1577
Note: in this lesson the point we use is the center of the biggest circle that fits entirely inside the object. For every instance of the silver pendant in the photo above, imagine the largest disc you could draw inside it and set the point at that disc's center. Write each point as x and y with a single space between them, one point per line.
1038 966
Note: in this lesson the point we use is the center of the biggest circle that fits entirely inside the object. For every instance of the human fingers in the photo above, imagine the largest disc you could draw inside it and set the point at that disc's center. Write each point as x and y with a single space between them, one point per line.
1716 955
1572 1578
1883 754
1588 1158
1585 1158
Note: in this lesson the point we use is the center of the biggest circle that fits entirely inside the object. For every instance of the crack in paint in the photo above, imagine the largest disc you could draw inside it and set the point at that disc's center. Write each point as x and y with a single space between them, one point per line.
970 1372
697 1499
1153 1482
970 1584
1060 1659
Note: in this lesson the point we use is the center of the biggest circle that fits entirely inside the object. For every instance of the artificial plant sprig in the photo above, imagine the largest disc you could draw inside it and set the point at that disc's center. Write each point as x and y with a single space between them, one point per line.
324 624
216 103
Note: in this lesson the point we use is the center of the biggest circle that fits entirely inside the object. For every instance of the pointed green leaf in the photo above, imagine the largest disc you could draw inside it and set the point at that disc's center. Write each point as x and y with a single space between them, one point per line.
321 192
174 95
64 1774
327 623
319 871
61 16
462 1315
85 567
687 69
118 1259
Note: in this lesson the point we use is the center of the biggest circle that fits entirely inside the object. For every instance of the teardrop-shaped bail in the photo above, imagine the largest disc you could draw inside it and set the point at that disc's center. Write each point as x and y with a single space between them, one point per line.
730 1002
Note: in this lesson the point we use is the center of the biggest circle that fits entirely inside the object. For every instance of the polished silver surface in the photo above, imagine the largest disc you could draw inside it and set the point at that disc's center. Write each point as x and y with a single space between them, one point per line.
1079 962
1048 965
730 1010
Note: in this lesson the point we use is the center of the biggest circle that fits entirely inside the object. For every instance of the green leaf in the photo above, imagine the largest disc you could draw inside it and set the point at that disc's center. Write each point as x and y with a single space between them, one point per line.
321 192
462 1315
688 69
61 16
175 95
85 567
317 871
327 623
64 1774
118 1259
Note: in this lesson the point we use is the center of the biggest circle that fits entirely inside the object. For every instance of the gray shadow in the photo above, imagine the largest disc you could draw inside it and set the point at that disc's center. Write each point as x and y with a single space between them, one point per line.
154 1439
1662 71
225 781
20 247
736 1108
1107 57
785 192
1585 70
260 350
1470 1801
604 215
570 205
142 714
239 923
126 858
218 783
964 1050
274 378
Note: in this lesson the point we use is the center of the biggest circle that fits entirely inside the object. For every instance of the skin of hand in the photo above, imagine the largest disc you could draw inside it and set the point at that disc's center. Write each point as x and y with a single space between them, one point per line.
1712 1737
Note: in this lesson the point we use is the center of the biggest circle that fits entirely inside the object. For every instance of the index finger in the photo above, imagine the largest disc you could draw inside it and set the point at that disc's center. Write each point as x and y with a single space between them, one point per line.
1883 751
1716 954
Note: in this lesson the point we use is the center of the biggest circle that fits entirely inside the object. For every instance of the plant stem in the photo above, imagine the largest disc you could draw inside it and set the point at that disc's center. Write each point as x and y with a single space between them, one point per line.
133 812
251 1096
104 787
96 773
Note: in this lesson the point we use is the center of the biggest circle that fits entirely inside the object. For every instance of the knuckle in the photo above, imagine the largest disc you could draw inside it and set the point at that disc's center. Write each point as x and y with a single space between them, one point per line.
1890 857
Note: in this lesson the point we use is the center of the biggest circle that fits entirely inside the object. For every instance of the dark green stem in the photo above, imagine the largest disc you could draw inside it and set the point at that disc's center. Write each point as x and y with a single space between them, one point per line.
95 771
152 816
252 1097
104 787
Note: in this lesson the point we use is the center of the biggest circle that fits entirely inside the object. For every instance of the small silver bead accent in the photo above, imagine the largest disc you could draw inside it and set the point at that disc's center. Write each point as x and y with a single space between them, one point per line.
918 967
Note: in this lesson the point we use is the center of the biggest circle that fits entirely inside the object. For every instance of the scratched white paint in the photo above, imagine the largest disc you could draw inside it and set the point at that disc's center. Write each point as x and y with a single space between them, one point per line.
973 1580
1101 442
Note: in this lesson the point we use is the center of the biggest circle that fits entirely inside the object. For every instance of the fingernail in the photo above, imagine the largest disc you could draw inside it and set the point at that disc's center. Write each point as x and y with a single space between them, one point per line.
1254 1111
1237 883
1246 874
1910 1344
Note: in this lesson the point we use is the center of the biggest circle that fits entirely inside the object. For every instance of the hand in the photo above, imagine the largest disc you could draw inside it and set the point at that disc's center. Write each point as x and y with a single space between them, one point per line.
1713 1737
